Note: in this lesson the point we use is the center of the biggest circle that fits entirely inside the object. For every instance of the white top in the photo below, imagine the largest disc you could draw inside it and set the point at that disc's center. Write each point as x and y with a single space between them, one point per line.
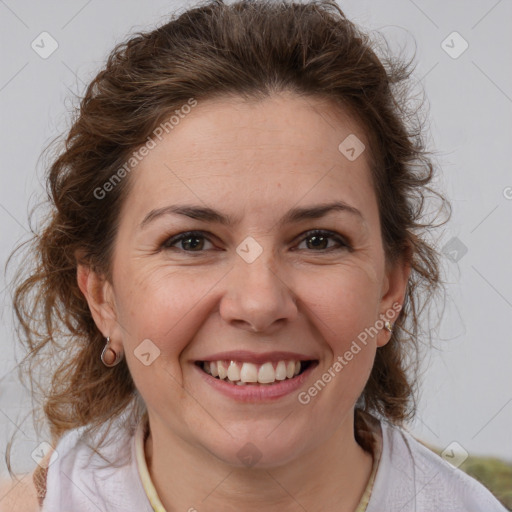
409 478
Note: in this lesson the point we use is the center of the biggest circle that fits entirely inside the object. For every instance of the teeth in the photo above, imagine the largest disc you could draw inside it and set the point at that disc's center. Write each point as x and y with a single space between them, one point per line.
242 373
290 369
266 373
281 370
221 371
233 371
249 372
214 368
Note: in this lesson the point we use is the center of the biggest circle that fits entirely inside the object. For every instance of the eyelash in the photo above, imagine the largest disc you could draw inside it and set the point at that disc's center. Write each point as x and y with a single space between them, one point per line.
343 244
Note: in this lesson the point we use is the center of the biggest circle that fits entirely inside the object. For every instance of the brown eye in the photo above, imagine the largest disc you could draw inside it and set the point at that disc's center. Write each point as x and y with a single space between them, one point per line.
318 240
191 241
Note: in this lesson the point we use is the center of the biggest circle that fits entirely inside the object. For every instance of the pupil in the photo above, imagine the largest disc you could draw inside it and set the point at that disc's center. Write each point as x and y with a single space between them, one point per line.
317 239
187 242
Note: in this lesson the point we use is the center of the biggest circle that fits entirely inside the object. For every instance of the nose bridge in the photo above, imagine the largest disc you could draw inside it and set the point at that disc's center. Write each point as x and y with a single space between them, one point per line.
257 295
259 275
257 269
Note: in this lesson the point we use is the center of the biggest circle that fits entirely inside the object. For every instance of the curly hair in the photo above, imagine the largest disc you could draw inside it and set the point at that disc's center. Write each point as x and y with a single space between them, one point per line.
251 50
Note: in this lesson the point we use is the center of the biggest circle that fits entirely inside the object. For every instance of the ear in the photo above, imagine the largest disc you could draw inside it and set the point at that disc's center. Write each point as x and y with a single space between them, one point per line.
393 293
99 293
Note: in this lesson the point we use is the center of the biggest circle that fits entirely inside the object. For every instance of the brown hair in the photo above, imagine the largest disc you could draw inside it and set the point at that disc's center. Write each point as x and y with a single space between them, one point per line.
249 49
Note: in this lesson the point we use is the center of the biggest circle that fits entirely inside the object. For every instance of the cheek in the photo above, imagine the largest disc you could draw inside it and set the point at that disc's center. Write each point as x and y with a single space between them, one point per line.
161 306
164 308
343 306
344 300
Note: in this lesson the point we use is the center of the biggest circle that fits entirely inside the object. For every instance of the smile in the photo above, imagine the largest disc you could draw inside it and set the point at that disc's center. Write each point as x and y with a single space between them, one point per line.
255 382
242 373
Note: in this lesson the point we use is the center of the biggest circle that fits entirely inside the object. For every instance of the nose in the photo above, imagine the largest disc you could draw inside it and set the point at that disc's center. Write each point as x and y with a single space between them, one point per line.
257 298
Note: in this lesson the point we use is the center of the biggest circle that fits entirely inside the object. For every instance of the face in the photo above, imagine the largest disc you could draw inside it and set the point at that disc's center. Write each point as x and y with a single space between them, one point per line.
267 275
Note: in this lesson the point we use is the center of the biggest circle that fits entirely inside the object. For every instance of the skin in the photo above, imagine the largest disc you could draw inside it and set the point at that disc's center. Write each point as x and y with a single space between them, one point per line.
253 160
18 496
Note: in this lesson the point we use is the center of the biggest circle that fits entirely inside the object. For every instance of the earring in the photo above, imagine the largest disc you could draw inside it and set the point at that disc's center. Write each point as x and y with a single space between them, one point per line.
388 326
113 357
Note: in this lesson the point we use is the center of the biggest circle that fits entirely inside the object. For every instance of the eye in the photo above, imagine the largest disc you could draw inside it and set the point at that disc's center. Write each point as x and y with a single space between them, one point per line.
194 241
191 241
319 238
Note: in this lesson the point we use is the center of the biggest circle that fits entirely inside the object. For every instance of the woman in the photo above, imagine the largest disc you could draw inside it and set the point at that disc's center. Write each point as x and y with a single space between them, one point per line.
231 276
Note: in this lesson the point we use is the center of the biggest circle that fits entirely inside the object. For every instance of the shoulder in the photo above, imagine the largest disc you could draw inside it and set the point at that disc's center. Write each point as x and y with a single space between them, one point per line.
18 495
81 473
81 450
26 492
416 478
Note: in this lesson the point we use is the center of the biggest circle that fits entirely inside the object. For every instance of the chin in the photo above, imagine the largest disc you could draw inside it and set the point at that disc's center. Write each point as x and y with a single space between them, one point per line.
262 451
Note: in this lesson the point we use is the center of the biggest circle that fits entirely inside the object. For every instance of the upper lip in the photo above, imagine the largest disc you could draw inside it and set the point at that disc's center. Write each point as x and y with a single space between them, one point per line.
253 357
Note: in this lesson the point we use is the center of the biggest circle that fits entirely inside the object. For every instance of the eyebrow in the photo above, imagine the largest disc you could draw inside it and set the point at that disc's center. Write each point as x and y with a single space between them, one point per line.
206 214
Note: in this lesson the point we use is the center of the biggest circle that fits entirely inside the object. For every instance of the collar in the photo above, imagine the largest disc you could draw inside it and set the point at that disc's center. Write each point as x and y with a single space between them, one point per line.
371 427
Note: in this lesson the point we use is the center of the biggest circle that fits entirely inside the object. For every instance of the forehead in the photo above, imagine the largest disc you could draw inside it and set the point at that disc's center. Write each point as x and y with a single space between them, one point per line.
262 153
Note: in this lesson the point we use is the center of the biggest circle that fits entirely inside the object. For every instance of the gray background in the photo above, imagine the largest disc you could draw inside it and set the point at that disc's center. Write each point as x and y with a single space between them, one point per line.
466 394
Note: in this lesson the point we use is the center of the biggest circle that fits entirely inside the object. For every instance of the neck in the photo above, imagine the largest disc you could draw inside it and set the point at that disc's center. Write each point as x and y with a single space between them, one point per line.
333 476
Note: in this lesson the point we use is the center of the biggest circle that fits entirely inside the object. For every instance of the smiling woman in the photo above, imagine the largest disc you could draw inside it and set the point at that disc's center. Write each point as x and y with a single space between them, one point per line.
245 298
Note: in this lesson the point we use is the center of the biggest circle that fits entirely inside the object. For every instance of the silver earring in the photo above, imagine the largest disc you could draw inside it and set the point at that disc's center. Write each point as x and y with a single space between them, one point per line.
388 326
117 356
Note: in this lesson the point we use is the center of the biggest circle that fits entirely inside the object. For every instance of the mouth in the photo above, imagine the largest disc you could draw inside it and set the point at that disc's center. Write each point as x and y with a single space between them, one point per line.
251 377
255 383
245 373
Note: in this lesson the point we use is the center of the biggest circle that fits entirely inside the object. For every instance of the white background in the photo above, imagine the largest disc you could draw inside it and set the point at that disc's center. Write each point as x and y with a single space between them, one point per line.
467 393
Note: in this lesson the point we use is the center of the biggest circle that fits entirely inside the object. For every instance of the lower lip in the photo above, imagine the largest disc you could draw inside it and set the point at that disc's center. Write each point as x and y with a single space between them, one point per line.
257 392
